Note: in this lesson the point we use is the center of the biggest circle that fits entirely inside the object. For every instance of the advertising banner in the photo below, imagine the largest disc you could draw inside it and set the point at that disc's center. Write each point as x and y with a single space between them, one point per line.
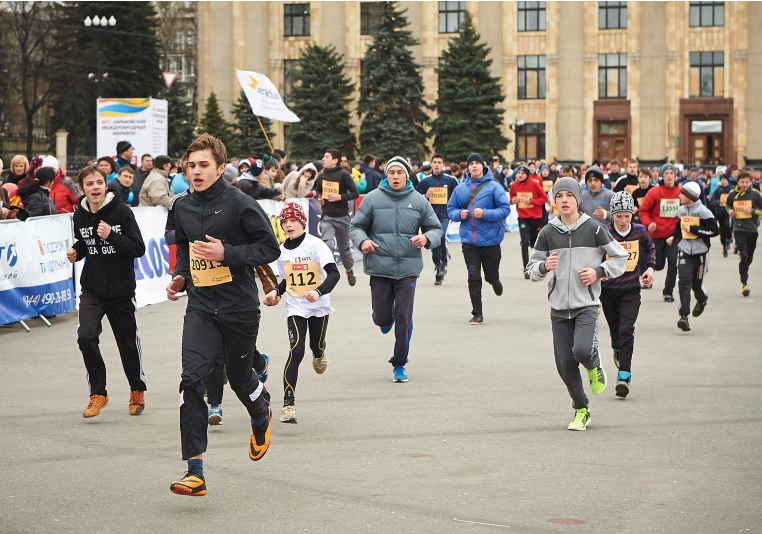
141 121
35 276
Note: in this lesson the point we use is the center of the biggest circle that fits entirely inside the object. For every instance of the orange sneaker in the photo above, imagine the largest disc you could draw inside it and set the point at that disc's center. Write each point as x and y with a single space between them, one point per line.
191 484
260 439
137 402
97 403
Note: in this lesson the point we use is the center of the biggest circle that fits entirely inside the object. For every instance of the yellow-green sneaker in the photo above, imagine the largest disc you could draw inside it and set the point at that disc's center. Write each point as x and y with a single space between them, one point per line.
581 420
597 380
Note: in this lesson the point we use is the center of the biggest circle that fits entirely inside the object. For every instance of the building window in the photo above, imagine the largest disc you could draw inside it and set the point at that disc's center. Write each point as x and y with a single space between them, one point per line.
612 15
289 71
707 14
451 16
531 77
530 141
191 40
707 76
370 16
296 19
179 41
531 16
612 76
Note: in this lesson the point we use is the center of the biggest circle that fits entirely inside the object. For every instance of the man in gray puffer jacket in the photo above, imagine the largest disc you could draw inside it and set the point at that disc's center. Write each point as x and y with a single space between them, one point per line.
386 228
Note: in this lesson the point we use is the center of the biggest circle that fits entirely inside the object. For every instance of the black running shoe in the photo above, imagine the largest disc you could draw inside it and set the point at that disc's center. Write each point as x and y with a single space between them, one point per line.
498 288
698 309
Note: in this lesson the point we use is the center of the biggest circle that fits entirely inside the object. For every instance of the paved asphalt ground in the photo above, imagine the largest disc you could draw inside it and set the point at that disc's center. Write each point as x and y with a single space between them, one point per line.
475 442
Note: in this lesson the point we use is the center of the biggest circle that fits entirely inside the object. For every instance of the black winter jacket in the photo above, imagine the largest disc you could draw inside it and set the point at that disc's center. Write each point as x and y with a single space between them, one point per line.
225 213
37 201
108 271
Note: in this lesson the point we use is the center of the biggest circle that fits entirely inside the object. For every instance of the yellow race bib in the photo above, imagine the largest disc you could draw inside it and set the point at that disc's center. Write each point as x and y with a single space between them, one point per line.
633 254
688 221
547 185
524 199
738 206
301 277
330 187
630 189
208 273
724 199
668 207
438 195
554 208
640 201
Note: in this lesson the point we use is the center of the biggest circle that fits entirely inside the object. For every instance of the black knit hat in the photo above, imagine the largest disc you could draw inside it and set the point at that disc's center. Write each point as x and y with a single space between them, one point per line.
475 157
122 146
595 172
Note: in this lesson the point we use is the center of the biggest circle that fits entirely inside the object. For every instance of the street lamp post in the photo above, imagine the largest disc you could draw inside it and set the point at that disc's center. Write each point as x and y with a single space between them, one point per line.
514 124
96 27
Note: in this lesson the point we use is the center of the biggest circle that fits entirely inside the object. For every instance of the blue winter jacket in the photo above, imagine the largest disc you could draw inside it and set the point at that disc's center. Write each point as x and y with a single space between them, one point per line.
490 229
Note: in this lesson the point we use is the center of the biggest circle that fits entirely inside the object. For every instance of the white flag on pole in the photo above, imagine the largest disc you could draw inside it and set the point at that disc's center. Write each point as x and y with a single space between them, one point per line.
263 97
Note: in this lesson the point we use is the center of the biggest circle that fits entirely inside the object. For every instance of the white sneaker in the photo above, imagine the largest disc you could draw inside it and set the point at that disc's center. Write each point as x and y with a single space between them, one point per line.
288 415
320 364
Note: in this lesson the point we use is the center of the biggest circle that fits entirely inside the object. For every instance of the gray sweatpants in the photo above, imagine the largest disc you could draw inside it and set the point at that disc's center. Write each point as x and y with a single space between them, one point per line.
575 342
334 231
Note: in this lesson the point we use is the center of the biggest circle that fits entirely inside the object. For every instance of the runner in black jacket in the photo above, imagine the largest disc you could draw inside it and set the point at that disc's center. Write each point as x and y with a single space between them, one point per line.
220 234
108 236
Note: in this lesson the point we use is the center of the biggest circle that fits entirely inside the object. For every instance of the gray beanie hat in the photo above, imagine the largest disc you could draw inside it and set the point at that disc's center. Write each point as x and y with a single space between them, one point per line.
669 167
568 184
231 171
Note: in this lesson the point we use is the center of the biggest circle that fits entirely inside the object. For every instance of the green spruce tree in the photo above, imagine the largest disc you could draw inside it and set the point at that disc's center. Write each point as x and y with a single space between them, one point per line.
469 118
131 57
249 137
392 108
181 120
214 123
321 100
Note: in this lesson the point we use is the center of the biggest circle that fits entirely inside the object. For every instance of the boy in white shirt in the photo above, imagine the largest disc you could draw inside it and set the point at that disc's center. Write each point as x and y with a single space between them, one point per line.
308 273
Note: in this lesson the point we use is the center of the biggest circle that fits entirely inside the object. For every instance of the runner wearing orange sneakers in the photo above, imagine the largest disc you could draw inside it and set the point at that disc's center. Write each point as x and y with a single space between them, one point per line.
221 234
108 236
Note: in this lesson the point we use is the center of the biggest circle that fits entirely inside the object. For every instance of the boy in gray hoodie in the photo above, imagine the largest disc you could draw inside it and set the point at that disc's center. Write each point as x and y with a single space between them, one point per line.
571 249
697 225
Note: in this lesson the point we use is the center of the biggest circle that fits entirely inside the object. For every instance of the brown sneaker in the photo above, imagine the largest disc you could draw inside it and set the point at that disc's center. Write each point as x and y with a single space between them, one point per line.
137 402
97 403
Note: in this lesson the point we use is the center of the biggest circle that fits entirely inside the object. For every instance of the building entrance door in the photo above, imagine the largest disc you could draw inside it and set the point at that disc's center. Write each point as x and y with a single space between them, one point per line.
612 141
706 142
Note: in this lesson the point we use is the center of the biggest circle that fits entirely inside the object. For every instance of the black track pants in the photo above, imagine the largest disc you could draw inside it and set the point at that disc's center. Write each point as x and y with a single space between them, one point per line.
206 335
691 269
621 310
297 335
746 243
121 316
478 258
666 254
392 302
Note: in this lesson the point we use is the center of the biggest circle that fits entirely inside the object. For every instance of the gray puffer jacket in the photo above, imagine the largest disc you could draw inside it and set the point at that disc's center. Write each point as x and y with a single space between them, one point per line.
391 218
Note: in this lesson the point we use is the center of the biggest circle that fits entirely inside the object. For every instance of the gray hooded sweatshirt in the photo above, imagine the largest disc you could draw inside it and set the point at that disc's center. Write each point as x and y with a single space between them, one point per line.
587 244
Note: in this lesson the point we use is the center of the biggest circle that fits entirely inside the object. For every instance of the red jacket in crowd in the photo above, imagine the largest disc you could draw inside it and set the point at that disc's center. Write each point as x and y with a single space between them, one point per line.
538 199
62 196
660 206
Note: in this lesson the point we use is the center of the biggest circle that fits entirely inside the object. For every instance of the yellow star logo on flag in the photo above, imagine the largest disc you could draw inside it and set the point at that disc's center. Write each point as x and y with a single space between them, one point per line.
254 83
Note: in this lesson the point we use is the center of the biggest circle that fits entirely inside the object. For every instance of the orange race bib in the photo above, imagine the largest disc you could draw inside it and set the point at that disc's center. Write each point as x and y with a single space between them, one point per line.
524 199
554 208
301 277
738 207
330 187
438 195
206 273
688 221
633 251
668 207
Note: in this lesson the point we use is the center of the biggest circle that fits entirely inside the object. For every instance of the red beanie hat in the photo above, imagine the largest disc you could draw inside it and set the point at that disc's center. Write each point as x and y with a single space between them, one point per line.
293 211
